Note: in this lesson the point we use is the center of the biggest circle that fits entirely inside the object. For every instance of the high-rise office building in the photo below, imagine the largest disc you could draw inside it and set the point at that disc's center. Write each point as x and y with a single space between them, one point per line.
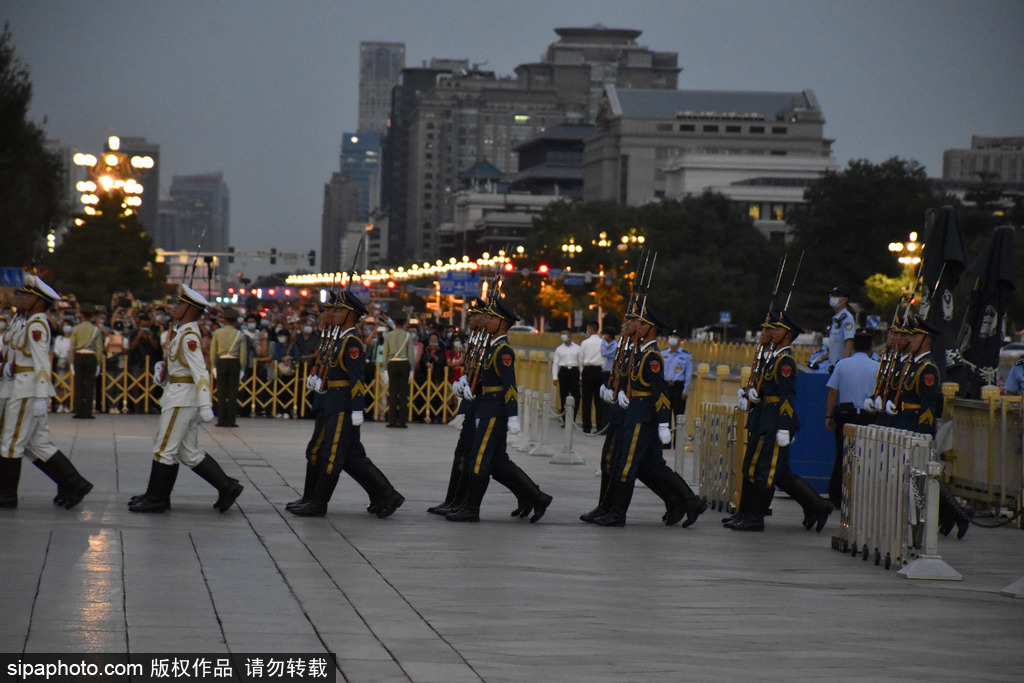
149 211
1000 159
380 65
202 214
360 161
341 207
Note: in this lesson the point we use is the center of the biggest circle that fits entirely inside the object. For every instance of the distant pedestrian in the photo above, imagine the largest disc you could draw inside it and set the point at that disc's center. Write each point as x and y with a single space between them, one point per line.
565 373
86 349
400 354
840 330
591 362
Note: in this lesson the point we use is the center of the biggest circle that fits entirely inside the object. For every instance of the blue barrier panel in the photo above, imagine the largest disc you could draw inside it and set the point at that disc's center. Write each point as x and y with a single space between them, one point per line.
812 454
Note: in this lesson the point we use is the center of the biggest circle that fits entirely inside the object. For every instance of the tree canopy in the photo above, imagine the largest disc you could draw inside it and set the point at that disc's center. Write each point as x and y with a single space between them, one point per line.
30 177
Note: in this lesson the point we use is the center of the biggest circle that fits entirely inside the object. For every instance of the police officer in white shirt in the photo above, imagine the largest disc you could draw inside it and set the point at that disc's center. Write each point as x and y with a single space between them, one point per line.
565 372
840 331
678 373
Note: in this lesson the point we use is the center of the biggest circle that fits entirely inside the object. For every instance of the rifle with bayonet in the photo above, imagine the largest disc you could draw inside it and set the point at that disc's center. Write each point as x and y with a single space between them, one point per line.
624 345
760 355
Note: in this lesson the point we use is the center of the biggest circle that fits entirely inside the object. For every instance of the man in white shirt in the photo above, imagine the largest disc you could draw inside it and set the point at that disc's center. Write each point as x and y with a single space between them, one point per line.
591 361
565 372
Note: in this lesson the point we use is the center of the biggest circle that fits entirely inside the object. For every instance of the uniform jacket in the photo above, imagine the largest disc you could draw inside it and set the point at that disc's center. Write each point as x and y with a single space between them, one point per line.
778 391
648 400
345 390
29 349
188 379
497 393
921 398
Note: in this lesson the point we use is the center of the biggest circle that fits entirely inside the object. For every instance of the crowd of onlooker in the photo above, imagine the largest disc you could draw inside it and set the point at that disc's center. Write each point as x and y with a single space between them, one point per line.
282 339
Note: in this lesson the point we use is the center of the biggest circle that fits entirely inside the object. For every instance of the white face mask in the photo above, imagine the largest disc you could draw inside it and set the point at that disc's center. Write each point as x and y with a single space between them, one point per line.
307 330
565 337
833 301
282 340
66 328
673 341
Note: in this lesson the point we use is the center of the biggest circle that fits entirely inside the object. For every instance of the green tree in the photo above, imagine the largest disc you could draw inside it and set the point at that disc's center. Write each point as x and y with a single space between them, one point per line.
30 177
849 220
107 252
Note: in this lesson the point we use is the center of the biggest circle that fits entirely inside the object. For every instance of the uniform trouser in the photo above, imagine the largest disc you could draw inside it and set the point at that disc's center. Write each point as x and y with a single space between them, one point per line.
488 445
637 447
23 433
569 385
85 382
177 436
340 442
675 394
398 391
770 464
228 371
354 463
835 482
590 383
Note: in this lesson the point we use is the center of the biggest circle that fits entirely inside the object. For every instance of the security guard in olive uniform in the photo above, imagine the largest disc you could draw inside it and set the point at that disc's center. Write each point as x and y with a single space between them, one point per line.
86 349
338 446
647 411
776 426
227 358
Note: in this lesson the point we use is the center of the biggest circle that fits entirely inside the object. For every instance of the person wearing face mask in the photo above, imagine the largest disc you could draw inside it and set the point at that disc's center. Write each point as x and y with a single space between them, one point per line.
61 364
565 373
227 358
840 330
86 348
307 341
678 373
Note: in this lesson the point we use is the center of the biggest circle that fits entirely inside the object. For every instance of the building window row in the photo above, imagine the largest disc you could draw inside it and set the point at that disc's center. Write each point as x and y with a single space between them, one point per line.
715 128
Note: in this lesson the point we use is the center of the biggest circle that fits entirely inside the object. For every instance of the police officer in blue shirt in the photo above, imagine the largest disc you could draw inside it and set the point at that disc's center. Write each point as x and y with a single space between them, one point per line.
678 373
840 330
1015 379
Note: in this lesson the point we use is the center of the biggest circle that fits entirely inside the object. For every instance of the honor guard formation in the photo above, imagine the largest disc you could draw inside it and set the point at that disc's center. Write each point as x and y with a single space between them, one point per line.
636 387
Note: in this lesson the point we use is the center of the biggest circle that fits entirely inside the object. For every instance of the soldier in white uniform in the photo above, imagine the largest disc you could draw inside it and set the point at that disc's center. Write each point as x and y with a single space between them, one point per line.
185 403
28 389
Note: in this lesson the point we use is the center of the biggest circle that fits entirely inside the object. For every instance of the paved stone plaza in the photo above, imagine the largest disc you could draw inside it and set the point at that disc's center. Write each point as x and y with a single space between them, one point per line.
417 598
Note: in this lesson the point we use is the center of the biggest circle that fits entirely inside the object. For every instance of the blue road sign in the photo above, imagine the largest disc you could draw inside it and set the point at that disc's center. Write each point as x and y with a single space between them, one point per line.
12 277
725 317
873 322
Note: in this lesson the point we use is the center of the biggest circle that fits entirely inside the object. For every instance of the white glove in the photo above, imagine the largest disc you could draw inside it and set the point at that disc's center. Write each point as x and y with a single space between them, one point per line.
513 425
890 408
741 393
467 393
160 373
9 371
40 407
623 400
206 414
878 404
215 373
744 404
456 422
357 418
869 404
782 438
384 377
603 392
664 433
753 396
241 376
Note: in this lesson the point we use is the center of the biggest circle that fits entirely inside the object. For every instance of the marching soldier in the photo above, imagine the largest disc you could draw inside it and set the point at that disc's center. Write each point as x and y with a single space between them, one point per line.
337 446
227 358
185 403
918 404
643 433
86 349
776 426
27 374
497 415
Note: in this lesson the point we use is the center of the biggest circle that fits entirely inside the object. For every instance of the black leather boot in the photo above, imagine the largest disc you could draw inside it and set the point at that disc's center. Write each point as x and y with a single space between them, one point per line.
602 502
748 493
307 488
470 511
449 496
620 494
135 500
381 490
158 491
529 496
72 487
752 504
693 505
952 513
10 475
228 489
816 508
316 506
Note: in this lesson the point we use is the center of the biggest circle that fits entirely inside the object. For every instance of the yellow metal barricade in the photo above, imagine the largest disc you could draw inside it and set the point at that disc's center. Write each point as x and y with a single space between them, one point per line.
720 454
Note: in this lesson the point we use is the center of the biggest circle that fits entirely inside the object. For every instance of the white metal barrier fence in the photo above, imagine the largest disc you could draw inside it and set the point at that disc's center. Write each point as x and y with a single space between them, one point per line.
718 454
891 500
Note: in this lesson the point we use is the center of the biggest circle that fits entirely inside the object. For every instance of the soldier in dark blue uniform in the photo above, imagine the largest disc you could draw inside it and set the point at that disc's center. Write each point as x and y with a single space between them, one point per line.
645 430
777 424
920 405
496 415
338 445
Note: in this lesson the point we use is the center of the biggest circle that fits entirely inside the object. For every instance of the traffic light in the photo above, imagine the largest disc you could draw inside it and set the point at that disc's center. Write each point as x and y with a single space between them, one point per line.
273 256
312 257
542 269
231 254
391 284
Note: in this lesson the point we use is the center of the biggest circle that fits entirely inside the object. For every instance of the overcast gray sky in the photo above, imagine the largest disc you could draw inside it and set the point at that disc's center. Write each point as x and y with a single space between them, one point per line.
263 90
